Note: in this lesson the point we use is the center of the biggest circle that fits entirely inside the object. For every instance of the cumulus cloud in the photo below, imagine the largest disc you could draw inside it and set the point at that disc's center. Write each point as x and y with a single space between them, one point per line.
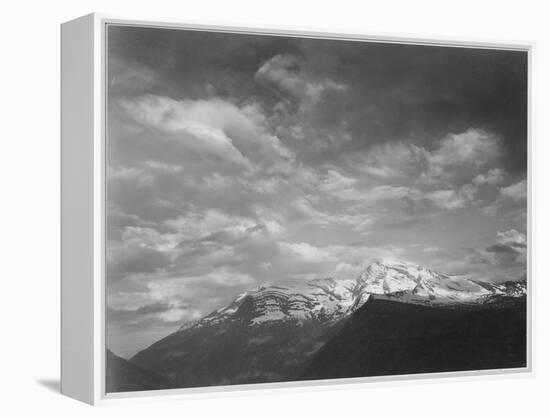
513 239
473 147
287 73
493 177
457 172
455 159
516 191
303 250
511 198
459 155
167 114
211 127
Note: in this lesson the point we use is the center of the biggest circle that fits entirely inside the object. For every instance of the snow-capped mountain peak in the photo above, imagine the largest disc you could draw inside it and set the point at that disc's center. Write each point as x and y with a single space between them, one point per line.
330 299
319 299
412 283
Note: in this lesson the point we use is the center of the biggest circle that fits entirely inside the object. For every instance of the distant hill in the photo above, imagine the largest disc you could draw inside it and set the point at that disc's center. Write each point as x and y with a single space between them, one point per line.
123 376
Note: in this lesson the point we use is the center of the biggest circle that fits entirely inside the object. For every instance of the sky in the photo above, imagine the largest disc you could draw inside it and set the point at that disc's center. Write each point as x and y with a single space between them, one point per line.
239 160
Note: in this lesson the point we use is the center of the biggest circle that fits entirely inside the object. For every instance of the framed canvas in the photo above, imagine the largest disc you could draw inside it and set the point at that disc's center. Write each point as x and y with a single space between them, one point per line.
257 208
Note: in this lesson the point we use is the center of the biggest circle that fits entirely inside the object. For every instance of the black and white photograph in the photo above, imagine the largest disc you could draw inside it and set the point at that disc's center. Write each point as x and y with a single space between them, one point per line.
303 208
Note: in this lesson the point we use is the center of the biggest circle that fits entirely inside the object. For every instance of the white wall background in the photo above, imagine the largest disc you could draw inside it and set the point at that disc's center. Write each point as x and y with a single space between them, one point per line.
29 228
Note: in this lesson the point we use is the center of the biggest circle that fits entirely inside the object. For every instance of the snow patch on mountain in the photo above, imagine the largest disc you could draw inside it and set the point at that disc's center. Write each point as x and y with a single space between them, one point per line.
412 283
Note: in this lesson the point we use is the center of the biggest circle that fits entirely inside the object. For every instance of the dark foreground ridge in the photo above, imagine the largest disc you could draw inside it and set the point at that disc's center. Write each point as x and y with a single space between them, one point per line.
392 338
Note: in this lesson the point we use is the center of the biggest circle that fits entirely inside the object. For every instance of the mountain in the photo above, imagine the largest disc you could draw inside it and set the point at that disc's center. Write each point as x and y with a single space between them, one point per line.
262 336
123 376
332 299
385 337
407 282
319 300
275 333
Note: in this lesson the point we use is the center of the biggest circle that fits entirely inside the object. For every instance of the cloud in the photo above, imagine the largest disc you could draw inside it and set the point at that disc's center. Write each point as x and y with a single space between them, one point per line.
173 299
516 192
191 244
456 159
496 262
335 182
384 193
196 225
512 238
351 189
124 260
504 259
453 199
287 73
394 160
510 248
213 128
457 173
130 77
175 117
128 301
145 237
460 155
211 256
472 147
305 251
493 177
512 197
360 221
159 311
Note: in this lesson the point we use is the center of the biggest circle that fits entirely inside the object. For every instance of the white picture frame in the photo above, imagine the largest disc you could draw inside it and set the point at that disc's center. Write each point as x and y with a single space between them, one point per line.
83 208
